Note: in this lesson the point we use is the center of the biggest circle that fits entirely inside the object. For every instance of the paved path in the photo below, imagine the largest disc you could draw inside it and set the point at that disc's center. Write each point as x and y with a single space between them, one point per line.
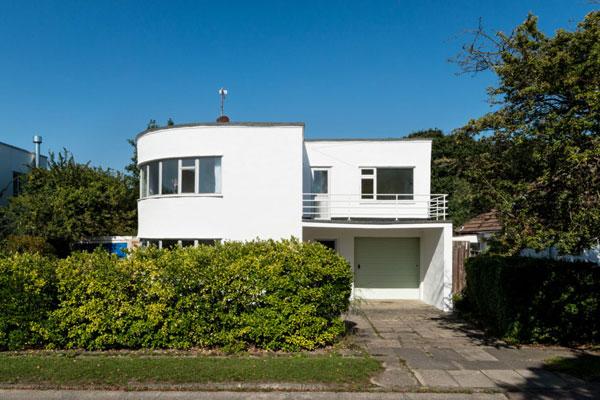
422 346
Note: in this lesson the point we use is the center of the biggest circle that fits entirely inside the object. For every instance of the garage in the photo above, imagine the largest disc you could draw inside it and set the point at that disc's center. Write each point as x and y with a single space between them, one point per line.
387 267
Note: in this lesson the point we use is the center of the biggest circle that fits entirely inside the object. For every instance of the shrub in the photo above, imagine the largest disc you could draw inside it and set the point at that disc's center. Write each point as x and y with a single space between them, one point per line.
27 295
533 300
26 244
285 295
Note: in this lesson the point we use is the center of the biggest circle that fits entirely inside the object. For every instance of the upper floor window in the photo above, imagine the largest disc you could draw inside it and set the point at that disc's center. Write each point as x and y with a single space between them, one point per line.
18 179
201 175
387 183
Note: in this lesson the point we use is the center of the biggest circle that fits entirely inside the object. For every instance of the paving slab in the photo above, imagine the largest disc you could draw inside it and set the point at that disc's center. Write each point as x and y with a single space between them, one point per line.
475 354
504 377
417 358
383 351
392 379
542 379
391 362
444 354
435 378
380 343
481 365
472 379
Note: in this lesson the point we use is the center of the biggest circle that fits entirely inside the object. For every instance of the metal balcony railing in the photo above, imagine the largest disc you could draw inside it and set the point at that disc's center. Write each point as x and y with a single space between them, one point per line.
321 206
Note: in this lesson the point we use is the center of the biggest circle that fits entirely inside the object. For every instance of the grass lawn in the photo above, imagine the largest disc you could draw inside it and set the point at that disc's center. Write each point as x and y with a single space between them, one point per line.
121 371
586 366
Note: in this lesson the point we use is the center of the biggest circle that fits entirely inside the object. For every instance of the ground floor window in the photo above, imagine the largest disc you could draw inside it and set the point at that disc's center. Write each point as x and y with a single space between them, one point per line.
330 243
170 243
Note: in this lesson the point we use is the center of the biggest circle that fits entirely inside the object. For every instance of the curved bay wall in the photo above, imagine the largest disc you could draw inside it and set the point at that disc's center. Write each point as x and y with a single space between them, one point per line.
261 183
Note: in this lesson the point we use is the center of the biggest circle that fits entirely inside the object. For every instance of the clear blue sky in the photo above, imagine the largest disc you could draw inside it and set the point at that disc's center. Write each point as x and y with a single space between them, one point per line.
87 75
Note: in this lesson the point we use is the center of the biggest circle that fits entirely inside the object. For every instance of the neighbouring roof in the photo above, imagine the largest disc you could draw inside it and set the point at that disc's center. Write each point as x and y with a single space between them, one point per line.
486 222
20 149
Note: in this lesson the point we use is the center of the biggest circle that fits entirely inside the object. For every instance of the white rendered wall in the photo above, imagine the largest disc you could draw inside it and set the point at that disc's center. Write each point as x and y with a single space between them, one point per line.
435 253
346 157
261 183
13 159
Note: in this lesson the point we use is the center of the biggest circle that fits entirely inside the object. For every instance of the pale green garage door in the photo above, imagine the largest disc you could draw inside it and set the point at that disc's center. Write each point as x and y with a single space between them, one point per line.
387 263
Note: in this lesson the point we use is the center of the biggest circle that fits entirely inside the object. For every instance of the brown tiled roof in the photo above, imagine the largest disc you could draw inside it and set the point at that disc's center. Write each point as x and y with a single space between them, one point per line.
486 222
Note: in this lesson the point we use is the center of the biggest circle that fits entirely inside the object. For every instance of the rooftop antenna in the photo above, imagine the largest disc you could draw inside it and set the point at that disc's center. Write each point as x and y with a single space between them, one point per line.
223 118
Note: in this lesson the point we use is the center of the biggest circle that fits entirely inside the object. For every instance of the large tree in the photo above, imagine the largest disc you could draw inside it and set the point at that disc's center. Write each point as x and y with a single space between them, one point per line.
541 172
450 155
69 201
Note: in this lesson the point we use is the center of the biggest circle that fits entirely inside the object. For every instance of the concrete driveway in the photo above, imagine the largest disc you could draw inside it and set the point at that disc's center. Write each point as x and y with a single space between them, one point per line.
422 346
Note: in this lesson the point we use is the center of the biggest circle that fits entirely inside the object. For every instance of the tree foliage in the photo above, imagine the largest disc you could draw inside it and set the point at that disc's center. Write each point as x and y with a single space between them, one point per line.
541 169
69 201
450 163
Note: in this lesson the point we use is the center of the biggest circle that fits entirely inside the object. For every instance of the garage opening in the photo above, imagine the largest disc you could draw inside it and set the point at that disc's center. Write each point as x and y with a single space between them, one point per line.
386 267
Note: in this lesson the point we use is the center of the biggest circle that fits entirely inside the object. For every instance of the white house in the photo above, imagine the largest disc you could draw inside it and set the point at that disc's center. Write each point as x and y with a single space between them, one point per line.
367 199
14 162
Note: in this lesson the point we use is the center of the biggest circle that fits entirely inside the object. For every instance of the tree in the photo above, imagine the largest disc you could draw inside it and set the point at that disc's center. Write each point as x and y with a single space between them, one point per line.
70 201
541 170
450 155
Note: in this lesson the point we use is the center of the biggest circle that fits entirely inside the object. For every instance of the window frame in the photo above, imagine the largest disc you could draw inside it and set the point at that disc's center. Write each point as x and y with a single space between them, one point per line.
373 177
145 174
321 169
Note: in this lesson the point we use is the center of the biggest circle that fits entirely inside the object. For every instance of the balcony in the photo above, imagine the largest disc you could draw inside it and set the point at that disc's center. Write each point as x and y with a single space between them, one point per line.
319 206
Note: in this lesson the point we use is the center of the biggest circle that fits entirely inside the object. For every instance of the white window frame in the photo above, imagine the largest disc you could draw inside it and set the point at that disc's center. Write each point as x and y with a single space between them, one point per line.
145 171
180 168
312 173
374 178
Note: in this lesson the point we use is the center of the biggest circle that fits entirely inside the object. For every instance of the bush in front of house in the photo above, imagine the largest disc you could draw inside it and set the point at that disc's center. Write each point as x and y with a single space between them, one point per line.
286 295
27 296
534 300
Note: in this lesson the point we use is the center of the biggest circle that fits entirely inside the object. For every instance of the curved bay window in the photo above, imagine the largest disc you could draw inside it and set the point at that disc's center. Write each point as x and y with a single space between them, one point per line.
193 175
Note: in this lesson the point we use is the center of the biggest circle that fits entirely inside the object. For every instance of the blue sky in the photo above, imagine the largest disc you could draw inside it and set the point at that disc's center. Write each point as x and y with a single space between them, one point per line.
87 75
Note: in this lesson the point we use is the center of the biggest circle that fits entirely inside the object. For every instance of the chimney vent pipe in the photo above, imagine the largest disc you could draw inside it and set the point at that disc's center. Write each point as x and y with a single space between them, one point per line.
37 140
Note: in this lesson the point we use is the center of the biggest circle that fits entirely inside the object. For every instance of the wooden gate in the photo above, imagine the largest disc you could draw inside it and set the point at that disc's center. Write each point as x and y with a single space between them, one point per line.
460 251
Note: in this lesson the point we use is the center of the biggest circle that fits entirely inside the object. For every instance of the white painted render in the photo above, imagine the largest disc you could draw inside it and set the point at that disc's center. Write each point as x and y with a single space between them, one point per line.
261 169
14 159
435 253
345 158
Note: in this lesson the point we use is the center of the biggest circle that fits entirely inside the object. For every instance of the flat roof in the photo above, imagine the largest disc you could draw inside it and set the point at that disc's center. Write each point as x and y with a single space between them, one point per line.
20 149
404 139
265 124
375 221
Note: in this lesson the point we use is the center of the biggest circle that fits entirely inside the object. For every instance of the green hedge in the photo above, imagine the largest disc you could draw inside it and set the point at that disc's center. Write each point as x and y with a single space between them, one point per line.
533 300
285 295
27 295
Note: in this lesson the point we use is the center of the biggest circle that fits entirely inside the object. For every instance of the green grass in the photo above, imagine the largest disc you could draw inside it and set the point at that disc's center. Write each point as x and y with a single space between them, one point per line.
585 366
117 371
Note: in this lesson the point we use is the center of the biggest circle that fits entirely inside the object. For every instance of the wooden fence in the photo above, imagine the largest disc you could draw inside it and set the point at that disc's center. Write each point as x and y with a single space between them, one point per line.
460 251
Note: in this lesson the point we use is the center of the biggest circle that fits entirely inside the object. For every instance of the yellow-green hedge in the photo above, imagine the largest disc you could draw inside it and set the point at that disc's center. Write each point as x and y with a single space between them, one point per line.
285 295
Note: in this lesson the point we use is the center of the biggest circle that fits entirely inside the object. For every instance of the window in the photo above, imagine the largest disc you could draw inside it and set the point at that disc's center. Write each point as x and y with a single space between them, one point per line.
144 181
153 180
179 176
320 181
172 243
208 242
18 179
209 175
329 243
188 175
169 177
387 183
